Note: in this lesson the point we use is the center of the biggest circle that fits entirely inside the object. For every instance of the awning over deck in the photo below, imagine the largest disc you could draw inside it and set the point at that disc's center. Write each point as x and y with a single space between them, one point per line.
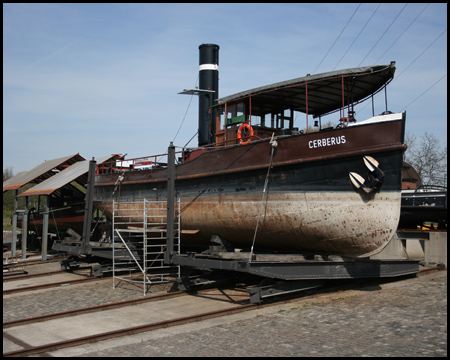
318 94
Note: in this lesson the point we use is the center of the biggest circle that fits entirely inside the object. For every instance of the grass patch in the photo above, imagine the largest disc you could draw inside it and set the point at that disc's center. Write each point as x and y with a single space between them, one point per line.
7 226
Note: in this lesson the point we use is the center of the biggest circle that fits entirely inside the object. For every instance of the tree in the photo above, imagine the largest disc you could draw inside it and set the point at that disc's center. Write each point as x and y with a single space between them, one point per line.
8 196
7 173
428 158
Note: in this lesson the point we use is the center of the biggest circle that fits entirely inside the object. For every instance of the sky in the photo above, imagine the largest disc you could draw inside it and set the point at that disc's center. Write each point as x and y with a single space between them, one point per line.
101 79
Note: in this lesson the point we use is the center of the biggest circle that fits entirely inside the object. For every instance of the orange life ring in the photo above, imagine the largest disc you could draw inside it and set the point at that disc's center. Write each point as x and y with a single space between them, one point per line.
239 133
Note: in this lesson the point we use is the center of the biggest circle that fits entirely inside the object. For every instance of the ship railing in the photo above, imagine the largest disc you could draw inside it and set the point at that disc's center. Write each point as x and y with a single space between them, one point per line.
236 141
160 161
141 163
431 188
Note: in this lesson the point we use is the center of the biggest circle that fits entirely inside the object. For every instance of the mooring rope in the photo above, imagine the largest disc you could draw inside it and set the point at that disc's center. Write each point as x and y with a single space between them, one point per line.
274 144
56 225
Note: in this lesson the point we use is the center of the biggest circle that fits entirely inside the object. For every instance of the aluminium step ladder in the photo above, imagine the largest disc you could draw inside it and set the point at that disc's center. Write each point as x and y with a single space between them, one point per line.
141 227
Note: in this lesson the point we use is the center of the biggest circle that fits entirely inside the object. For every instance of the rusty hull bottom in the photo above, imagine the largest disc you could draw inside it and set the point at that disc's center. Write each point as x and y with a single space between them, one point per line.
342 223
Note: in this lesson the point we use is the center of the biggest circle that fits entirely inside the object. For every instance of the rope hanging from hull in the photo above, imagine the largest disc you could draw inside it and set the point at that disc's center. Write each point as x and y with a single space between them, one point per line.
274 144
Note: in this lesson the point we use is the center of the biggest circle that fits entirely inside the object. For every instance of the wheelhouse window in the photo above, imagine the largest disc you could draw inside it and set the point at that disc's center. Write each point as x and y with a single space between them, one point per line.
236 114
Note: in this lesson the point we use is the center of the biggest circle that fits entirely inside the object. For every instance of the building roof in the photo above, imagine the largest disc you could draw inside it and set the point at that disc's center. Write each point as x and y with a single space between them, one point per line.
77 172
41 172
323 91
410 177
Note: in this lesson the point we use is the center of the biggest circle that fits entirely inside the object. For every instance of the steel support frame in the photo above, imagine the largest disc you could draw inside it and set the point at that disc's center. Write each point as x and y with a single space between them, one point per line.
305 270
258 292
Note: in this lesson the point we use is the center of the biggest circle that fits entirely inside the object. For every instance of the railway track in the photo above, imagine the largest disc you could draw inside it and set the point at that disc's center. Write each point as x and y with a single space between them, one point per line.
87 277
116 305
326 293
128 331
55 284
116 333
14 277
32 262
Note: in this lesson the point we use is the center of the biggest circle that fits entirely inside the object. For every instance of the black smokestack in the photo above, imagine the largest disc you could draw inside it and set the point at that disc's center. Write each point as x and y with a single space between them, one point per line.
209 80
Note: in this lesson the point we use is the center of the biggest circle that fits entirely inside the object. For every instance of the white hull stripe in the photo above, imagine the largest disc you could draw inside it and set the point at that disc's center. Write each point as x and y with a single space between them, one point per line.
209 67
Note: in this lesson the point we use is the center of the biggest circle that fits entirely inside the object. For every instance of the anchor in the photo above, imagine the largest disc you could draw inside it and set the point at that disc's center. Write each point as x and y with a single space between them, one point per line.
375 176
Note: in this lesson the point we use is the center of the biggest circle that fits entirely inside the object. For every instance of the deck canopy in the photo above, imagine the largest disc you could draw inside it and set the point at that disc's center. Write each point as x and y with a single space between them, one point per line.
41 172
319 94
61 185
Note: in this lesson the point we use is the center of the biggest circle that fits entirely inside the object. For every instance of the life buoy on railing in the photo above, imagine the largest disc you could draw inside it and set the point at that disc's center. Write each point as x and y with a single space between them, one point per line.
239 133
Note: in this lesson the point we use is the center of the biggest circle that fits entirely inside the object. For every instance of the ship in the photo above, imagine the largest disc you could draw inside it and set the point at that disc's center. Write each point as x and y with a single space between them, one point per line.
62 219
423 206
258 181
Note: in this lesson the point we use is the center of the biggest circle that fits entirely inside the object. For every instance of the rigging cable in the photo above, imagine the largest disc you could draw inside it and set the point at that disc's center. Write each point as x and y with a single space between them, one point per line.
190 140
274 144
385 31
424 91
396 78
357 36
56 226
336 39
184 118
421 54
402 33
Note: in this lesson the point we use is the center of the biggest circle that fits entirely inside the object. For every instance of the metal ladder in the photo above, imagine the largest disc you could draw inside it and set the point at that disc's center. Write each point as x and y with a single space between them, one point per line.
141 227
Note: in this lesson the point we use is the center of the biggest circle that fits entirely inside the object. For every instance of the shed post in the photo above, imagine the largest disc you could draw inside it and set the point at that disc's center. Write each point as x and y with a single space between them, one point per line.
14 226
25 229
45 230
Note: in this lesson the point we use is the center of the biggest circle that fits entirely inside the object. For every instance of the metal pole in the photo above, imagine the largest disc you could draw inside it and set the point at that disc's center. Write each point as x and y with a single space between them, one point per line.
113 245
89 206
14 226
168 254
45 230
385 98
373 108
307 127
343 101
25 229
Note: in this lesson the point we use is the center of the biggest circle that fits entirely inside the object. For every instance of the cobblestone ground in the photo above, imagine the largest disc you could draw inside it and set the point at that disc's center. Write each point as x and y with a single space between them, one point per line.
405 319
74 297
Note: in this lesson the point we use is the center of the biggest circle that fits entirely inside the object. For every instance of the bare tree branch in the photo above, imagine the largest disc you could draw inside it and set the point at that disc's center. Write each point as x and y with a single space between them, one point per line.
428 158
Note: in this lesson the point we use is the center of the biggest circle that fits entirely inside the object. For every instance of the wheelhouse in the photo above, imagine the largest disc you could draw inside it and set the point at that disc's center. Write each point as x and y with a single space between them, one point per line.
274 109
